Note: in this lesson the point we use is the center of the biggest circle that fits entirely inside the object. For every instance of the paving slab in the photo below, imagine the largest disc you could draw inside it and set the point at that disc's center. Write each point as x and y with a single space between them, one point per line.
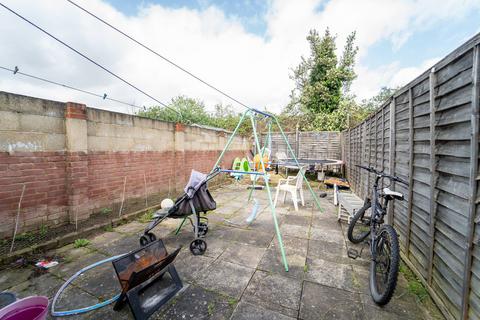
101 282
68 268
244 255
326 234
291 230
105 238
248 311
189 267
303 221
252 237
322 302
296 253
198 303
43 285
215 246
75 298
123 245
330 274
226 278
131 227
275 292
403 308
12 277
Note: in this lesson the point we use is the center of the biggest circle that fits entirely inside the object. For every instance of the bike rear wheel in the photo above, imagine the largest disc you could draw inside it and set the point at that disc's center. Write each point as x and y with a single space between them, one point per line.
359 227
384 268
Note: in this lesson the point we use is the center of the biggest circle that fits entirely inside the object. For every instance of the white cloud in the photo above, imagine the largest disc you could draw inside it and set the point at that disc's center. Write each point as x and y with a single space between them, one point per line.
206 41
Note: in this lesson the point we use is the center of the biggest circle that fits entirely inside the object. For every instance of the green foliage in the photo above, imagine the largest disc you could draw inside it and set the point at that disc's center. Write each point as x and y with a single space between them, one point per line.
321 78
79 243
106 210
320 100
25 236
232 301
211 308
193 111
108 228
379 99
43 230
415 287
146 217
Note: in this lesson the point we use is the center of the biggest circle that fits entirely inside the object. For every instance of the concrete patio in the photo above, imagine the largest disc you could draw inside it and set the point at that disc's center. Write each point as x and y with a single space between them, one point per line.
241 275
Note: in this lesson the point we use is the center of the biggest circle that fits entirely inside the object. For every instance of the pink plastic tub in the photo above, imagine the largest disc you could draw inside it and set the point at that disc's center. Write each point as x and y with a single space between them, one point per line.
31 308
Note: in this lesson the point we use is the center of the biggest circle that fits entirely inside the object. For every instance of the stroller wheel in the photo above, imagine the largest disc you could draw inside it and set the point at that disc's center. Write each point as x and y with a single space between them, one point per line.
198 247
144 240
151 237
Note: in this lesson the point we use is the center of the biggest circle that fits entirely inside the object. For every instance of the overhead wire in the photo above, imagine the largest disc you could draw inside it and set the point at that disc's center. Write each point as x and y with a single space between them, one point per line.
160 55
89 59
102 96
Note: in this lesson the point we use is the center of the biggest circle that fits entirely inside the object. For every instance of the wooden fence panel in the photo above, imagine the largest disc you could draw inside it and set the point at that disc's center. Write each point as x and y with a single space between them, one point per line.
310 145
428 134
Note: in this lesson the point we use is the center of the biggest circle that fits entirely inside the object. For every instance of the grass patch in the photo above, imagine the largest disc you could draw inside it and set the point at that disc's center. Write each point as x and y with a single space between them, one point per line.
79 243
415 287
108 228
305 268
232 302
146 217
211 308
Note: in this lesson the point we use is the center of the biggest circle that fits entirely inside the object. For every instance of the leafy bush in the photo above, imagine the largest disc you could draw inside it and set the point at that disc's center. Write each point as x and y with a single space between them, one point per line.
79 243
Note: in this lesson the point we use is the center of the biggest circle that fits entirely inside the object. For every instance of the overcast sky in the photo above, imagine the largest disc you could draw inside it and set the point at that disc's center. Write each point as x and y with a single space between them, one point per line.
246 47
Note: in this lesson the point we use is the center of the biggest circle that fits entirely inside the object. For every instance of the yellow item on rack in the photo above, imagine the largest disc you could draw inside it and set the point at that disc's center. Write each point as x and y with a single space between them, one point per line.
258 164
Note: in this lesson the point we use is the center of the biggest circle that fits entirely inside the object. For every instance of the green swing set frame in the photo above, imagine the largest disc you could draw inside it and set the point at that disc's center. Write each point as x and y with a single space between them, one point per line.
253 114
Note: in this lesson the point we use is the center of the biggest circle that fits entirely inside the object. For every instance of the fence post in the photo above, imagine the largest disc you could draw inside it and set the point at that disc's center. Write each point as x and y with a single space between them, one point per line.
383 138
433 180
376 140
297 141
410 171
391 154
474 140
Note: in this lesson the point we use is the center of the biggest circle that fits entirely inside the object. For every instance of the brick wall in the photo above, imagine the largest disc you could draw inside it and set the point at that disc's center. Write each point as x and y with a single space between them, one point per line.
74 160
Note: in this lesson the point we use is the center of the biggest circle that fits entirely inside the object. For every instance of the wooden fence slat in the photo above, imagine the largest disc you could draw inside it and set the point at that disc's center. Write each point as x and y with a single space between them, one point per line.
391 156
432 176
410 178
473 180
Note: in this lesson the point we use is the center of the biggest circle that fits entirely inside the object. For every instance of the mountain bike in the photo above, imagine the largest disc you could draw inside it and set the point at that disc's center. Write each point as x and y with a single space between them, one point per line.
383 241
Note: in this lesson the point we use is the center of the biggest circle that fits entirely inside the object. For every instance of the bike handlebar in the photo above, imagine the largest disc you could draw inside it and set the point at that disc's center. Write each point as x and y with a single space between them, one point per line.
382 174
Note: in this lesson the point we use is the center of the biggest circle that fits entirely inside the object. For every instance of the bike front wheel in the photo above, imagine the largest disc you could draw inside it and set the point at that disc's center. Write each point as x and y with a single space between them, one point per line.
384 268
359 227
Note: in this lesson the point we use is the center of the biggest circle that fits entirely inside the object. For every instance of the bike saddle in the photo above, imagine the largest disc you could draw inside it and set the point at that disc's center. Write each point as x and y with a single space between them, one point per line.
393 194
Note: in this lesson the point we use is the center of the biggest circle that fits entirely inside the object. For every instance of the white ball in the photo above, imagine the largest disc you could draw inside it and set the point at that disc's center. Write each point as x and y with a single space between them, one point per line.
166 203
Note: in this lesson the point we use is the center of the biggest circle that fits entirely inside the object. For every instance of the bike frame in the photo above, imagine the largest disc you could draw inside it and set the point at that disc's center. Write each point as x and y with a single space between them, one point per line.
378 212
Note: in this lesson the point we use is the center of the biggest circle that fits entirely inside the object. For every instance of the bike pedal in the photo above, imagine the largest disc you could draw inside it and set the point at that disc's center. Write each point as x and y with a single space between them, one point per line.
353 253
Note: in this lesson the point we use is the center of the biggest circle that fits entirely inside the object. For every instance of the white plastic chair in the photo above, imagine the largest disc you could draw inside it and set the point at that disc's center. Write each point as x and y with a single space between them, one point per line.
294 189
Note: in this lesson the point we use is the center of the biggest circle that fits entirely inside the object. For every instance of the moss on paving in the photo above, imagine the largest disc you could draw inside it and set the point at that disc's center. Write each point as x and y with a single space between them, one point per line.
417 289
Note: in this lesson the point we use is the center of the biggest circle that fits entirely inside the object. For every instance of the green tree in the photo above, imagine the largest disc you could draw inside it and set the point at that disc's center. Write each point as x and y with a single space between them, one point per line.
379 99
322 78
191 110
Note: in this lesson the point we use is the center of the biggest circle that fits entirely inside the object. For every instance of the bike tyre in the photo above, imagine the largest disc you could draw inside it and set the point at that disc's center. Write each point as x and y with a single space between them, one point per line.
358 216
392 276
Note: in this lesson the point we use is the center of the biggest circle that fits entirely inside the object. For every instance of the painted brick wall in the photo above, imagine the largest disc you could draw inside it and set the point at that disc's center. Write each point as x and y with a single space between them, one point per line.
73 160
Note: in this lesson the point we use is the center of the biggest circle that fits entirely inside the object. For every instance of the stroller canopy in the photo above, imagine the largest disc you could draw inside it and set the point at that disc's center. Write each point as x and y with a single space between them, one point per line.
194 183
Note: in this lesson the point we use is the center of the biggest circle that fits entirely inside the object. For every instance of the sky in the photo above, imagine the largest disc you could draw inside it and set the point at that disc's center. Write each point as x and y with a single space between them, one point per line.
247 48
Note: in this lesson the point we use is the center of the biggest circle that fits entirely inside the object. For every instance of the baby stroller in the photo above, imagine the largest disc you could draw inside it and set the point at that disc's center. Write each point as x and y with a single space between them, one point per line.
195 200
